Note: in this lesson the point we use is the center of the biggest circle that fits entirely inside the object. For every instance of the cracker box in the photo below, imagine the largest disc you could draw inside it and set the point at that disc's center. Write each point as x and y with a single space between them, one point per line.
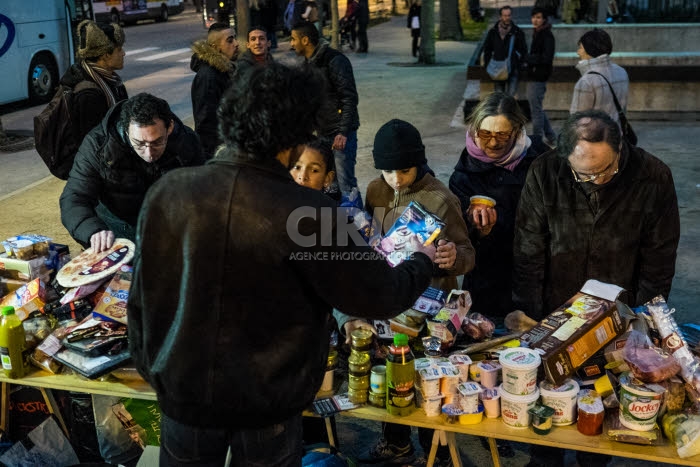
26 299
23 269
112 304
576 330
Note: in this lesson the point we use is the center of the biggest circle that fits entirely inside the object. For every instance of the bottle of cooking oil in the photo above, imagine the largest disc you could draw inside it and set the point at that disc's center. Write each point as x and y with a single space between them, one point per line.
11 343
400 375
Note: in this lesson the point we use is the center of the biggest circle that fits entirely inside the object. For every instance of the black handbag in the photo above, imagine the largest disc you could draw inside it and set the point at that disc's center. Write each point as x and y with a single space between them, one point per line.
627 131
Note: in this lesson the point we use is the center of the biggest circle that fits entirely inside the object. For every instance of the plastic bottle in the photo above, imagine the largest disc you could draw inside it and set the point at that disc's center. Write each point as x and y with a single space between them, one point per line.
11 343
400 375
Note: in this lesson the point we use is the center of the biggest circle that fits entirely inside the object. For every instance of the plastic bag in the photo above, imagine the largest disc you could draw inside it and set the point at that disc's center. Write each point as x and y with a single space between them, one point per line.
46 445
647 362
683 429
478 326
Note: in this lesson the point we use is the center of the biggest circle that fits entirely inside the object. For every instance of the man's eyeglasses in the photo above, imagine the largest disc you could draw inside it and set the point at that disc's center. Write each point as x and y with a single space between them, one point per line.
580 178
141 145
500 136
230 39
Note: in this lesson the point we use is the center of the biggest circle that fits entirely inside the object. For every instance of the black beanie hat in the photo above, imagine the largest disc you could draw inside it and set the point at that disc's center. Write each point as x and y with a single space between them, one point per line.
398 145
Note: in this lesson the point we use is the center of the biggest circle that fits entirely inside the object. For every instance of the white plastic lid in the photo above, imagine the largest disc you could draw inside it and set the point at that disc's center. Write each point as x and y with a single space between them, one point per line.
527 398
520 358
566 389
458 359
469 388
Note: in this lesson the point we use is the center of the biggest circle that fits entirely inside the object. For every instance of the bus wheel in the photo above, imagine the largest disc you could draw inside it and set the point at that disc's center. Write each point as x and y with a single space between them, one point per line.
114 17
163 14
43 78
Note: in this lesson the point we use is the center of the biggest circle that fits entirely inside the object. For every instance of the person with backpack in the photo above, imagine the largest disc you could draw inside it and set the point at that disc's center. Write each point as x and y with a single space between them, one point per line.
95 88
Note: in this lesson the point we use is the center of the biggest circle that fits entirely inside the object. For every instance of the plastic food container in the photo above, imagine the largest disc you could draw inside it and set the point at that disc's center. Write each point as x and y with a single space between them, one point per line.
475 372
591 413
377 379
639 403
449 384
472 418
429 381
514 407
461 362
519 370
451 413
481 200
562 399
432 406
491 400
541 418
469 396
489 371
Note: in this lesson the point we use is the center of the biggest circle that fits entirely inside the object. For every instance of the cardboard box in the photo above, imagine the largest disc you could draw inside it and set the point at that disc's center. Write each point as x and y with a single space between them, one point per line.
575 331
21 269
112 305
26 299
608 358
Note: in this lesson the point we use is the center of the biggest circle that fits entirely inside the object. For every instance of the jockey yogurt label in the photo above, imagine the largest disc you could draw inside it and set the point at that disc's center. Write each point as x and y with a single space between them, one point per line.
639 403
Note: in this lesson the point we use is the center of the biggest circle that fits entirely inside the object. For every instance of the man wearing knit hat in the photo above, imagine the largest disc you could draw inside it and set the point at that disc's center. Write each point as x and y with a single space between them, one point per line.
592 92
100 55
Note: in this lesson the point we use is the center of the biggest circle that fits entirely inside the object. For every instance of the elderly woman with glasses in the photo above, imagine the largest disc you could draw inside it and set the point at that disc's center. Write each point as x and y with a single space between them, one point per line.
494 163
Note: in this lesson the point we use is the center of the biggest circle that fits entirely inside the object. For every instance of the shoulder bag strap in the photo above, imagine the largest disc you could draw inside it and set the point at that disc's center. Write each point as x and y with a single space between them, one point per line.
617 104
510 48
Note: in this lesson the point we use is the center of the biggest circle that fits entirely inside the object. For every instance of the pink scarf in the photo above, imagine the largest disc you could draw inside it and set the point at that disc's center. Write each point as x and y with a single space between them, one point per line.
509 160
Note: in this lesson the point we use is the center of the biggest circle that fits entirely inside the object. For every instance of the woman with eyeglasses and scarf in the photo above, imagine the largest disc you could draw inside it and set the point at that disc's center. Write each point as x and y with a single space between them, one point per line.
99 87
494 163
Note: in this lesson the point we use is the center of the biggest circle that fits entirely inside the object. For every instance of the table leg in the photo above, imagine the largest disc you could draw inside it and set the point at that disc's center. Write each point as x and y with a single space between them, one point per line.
5 410
454 450
494 452
53 409
329 431
433 448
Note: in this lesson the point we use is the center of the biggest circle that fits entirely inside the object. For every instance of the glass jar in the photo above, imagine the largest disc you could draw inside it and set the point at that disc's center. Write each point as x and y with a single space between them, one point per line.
359 363
361 339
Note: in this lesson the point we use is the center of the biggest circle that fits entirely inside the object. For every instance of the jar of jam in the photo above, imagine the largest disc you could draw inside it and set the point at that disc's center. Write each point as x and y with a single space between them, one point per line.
590 413
361 339
359 363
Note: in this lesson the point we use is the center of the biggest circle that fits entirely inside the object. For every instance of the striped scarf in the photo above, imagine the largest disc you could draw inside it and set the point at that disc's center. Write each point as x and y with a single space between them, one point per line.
105 79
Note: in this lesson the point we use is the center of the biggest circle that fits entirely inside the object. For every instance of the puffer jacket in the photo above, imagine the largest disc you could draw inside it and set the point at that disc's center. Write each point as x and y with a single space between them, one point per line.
90 104
562 240
339 115
497 48
541 56
490 281
214 73
239 336
246 62
106 170
593 93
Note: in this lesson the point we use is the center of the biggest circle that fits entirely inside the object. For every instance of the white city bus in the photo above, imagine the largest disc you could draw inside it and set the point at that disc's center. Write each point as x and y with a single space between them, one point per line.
36 48
130 11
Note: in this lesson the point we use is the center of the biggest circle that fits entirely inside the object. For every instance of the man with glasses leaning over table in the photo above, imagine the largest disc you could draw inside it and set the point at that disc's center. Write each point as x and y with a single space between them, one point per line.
594 208
138 141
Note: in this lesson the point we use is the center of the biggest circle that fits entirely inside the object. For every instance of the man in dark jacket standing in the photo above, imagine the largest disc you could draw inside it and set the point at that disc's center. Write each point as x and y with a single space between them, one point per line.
362 23
235 367
212 60
339 120
257 52
497 45
539 69
135 144
595 208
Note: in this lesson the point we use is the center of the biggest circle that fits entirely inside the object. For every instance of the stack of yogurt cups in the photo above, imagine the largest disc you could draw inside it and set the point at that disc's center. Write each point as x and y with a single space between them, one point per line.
518 392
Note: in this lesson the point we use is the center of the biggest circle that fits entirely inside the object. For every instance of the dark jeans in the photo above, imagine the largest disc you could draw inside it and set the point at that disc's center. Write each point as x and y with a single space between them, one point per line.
545 456
185 445
363 44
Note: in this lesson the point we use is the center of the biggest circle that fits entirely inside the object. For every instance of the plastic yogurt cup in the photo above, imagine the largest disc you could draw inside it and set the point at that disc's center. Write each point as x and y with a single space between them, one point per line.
430 384
489 370
449 384
432 406
562 399
461 362
469 396
491 399
514 408
639 403
519 370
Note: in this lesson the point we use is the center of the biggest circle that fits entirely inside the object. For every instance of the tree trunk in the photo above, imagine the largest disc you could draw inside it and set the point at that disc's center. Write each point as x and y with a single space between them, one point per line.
427 32
335 29
242 22
450 27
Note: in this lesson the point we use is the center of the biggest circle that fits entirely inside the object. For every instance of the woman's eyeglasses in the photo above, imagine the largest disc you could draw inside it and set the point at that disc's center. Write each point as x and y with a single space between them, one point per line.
592 177
500 136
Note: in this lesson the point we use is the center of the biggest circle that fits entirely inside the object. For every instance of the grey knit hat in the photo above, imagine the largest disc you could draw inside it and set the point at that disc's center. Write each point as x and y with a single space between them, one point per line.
397 146
95 40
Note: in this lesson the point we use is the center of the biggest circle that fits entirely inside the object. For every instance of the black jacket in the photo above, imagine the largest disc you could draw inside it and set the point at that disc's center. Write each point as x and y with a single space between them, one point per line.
626 233
496 48
246 63
490 281
238 338
107 170
541 56
89 105
214 73
339 114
